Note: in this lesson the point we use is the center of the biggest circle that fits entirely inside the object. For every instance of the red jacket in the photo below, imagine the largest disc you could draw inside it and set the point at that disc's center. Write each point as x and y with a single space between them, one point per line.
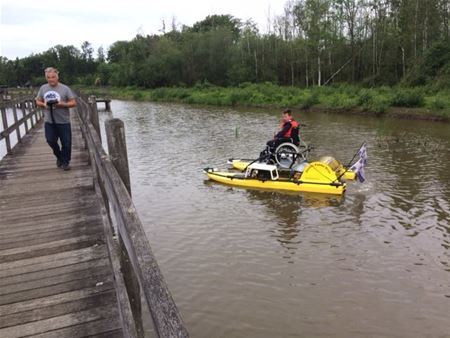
287 129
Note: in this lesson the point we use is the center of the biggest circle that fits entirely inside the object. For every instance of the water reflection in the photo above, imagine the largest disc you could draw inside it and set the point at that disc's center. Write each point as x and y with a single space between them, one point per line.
286 211
356 208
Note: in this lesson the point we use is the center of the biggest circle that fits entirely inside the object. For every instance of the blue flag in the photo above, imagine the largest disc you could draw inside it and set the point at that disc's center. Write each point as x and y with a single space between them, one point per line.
362 152
358 166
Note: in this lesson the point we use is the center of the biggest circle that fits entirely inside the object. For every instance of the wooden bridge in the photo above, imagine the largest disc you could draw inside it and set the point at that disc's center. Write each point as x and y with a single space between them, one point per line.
74 258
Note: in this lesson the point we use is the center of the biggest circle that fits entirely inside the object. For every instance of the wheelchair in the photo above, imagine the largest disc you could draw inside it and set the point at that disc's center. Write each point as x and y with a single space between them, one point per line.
285 152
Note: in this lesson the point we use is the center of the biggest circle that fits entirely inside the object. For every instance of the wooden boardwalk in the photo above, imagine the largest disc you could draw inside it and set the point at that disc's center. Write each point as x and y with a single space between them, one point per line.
56 279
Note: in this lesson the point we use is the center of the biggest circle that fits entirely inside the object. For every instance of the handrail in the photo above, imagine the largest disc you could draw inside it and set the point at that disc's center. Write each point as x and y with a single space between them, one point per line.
30 118
136 251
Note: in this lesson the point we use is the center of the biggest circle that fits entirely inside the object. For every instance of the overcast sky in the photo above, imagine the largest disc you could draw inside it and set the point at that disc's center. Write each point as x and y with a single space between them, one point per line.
33 26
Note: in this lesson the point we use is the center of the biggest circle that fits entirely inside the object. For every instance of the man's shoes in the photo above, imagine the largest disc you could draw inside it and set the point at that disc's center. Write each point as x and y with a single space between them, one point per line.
59 163
65 167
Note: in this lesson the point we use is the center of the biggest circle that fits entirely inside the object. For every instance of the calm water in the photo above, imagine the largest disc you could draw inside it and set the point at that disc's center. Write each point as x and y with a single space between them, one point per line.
246 263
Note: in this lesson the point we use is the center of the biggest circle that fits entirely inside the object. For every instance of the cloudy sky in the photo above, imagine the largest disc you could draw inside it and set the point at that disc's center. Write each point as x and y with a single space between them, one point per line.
33 26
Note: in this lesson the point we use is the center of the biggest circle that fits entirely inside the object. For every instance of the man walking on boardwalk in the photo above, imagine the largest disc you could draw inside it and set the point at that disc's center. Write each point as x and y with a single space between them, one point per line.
56 98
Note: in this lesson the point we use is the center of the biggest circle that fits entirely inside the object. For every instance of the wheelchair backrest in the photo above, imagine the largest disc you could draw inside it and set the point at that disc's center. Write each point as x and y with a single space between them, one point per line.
295 136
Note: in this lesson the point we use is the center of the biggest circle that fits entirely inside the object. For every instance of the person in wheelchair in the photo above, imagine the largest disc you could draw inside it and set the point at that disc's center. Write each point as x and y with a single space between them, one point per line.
289 133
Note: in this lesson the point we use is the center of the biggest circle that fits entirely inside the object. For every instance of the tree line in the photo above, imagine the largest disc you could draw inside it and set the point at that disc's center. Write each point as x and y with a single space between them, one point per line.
313 43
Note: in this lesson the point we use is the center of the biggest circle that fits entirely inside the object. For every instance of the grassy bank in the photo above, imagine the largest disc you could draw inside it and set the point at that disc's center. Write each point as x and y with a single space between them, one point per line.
418 102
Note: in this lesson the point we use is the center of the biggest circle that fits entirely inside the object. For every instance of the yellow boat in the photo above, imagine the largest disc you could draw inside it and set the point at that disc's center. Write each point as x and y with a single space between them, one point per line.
316 177
335 165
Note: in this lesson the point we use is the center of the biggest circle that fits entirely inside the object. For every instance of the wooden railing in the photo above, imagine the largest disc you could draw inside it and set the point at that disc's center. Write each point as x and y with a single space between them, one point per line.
24 112
130 255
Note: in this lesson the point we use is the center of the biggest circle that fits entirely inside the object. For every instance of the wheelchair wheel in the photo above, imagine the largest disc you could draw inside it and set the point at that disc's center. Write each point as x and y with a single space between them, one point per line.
286 154
303 150
302 145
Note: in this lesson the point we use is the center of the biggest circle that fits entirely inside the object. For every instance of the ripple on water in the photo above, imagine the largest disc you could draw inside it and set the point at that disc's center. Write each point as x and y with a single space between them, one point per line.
248 263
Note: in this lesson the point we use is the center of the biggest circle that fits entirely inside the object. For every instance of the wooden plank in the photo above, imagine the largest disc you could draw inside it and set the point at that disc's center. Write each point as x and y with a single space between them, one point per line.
131 328
39 148
58 309
45 249
41 162
55 203
99 328
48 187
71 321
59 199
51 261
76 284
29 305
51 279
35 200
30 277
39 221
39 209
16 178
61 223
111 334
29 205
56 178
57 217
41 165
115 133
52 236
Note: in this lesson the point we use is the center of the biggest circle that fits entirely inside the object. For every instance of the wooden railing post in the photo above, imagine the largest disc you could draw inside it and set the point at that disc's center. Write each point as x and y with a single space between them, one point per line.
24 115
115 135
94 116
81 110
19 138
31 113
5 126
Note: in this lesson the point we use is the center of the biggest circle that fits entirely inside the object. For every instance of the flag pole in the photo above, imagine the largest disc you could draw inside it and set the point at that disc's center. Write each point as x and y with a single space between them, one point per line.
350 163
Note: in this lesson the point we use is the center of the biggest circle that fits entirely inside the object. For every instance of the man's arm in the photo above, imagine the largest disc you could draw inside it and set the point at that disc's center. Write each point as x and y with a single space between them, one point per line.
40 99
40 102
283 131
70 99
70 103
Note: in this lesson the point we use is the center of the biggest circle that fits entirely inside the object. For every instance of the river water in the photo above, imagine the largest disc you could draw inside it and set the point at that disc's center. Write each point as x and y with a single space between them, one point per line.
249 263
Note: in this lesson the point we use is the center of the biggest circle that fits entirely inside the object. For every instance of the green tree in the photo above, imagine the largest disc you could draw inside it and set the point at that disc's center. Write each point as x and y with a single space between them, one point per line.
215 22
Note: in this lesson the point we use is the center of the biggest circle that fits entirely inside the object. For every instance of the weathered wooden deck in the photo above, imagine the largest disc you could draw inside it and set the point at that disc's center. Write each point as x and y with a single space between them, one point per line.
74 257
55 276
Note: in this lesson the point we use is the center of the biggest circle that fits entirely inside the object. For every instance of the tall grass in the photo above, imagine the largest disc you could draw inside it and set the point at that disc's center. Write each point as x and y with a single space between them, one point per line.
408 97
377 100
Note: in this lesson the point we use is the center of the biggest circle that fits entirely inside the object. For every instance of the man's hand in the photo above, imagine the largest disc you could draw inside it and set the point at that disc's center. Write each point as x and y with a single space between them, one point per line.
53 102
40 103
66 104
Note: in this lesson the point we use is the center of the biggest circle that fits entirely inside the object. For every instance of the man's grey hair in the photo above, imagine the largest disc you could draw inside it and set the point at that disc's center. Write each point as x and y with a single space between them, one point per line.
51 70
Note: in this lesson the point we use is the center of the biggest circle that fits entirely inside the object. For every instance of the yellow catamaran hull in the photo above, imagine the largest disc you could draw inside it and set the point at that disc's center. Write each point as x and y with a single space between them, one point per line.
241 164
317 177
